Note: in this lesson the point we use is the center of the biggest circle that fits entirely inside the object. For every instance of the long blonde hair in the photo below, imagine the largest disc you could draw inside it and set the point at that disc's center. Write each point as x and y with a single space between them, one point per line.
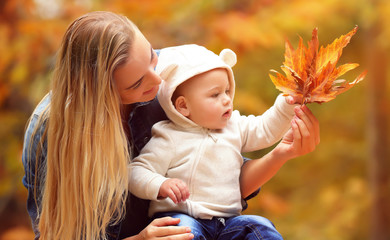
85 187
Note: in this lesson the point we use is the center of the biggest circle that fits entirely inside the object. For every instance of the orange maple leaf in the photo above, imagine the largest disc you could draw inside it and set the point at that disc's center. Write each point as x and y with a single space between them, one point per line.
312 73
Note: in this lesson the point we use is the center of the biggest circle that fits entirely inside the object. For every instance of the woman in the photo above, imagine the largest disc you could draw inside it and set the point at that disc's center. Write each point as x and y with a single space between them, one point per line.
97 116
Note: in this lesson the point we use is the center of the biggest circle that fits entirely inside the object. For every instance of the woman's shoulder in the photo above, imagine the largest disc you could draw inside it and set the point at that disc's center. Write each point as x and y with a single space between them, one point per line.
37 122
42 105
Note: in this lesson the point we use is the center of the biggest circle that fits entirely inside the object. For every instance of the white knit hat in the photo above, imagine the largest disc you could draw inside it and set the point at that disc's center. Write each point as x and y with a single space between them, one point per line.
178 64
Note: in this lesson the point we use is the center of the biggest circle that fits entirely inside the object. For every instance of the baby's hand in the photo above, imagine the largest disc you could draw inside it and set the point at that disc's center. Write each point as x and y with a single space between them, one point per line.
294 99
175 189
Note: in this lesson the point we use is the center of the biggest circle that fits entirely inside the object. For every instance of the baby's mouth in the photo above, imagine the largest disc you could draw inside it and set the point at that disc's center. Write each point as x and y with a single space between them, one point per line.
227 113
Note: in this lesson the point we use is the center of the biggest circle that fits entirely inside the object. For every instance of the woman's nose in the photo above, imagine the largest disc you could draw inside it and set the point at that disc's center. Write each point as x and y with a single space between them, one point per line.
156 79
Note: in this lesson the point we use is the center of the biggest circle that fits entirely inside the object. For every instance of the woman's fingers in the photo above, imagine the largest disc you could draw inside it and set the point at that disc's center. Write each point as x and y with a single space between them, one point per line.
165 221
303 136
170 230
305 115
308 128
313 126
161 228
184 236
297 139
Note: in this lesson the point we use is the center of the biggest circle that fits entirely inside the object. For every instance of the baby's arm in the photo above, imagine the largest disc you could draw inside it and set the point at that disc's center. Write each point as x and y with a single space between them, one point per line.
147 171
144 180
258 132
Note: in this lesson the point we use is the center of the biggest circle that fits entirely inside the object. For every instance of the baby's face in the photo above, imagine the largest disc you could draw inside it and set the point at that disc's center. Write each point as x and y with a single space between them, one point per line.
208 99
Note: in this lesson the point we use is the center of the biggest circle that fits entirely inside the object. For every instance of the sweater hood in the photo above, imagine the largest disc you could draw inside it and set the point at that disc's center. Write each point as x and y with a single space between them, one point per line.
178 64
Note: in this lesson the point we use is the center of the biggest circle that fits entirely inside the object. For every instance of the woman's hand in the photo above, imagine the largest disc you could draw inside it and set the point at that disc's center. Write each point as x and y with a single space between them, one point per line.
164 229
302 138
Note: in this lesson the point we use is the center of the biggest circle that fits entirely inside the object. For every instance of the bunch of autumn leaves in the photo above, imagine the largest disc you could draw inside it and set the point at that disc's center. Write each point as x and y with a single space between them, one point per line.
312 73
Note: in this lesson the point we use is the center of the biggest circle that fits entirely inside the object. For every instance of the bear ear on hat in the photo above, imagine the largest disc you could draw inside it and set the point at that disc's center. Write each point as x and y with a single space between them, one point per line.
228 56
168 71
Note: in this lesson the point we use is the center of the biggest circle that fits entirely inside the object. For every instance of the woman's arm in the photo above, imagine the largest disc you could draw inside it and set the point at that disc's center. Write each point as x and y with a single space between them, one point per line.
163 228
301 139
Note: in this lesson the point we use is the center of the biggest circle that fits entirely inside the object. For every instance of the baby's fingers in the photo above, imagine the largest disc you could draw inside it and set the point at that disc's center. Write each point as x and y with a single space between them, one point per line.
172 195
180 190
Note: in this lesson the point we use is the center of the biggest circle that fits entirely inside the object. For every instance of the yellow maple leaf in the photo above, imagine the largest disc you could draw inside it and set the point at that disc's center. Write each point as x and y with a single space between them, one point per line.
311 73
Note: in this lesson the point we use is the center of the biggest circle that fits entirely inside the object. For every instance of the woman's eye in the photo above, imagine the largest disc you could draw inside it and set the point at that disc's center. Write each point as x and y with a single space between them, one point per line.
137 85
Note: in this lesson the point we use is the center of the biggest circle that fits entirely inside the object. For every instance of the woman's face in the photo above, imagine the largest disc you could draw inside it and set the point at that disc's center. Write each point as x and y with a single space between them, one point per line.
136 79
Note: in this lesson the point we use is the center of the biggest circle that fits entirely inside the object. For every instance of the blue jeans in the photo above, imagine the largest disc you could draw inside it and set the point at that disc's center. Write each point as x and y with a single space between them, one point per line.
239 227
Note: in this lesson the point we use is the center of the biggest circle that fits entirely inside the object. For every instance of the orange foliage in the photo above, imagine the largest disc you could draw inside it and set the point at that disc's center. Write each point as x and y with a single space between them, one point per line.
18 233
313 74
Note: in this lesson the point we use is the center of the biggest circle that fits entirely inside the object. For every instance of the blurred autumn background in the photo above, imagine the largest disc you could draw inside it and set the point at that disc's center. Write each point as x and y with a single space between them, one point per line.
340 191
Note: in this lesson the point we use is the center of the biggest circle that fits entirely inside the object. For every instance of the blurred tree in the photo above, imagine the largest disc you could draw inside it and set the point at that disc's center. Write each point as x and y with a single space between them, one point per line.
379 165
27 45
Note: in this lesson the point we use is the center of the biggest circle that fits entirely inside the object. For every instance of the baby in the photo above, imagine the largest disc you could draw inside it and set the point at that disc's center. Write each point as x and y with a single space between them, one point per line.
191 167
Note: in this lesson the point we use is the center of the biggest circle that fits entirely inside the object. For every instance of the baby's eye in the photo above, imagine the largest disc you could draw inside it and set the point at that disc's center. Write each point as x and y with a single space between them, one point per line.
214 95
227 91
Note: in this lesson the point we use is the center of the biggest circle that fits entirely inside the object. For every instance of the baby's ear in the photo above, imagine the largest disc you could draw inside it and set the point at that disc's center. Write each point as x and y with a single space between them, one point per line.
228 56
168 71
181 106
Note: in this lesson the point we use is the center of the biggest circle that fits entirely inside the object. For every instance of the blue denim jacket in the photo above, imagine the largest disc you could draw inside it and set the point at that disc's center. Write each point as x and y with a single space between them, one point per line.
29 165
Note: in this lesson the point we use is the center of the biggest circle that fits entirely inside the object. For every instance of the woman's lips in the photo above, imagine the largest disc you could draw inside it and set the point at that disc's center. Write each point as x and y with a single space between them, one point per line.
152 90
